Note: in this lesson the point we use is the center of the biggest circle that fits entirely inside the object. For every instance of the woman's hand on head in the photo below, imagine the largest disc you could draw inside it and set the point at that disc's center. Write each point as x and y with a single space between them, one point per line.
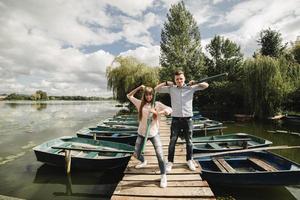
142 87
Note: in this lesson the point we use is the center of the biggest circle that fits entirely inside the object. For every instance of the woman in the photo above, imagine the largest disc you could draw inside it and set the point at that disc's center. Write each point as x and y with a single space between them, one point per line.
144 108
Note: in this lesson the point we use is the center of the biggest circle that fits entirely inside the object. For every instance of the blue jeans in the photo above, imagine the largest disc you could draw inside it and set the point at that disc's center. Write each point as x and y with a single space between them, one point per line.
158 150
182 127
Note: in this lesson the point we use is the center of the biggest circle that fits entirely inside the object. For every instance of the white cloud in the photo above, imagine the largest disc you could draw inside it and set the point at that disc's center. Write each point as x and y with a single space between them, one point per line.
42 43
246 19
137 31
147 55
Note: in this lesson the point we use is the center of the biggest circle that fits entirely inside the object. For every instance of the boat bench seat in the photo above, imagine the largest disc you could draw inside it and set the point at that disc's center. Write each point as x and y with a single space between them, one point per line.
215 146
91 155
263 165
223 165
59 150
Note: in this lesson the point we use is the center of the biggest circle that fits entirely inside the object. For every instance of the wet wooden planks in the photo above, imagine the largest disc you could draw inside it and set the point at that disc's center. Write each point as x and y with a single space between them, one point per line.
144 183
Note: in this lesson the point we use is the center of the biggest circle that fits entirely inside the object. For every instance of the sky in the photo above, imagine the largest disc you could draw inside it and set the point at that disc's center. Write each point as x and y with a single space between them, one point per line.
64 46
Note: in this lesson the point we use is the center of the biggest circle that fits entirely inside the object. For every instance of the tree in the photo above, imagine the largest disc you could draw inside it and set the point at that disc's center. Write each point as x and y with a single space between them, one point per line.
128 75
225 56
180 44
264 86
271 43
296 51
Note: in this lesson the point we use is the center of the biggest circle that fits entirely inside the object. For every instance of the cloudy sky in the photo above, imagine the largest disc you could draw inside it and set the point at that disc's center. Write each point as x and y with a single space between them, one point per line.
63 46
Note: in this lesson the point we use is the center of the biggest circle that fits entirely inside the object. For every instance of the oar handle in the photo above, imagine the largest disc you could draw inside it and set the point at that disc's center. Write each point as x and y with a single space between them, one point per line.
212 77
149 121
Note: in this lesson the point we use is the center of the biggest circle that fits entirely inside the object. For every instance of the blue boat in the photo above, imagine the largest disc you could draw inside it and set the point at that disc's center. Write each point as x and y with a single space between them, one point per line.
249 168
85 153
228 142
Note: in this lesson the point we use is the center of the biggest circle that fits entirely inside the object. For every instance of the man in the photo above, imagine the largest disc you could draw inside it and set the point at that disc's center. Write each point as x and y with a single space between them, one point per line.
182 123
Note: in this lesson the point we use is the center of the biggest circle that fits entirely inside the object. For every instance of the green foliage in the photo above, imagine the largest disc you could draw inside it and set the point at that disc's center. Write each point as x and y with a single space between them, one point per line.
39 95
265 86
180 45
225 56
224 93
296 51
128 75
15 96
271 43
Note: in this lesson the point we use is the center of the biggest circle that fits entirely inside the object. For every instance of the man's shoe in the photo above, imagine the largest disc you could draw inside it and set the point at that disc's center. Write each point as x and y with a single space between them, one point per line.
163 181
169 167
191 165
141 165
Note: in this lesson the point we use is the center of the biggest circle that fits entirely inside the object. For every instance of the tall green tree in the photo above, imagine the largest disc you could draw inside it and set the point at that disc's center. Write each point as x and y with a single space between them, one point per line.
129 74
180 44
271 43
224 56
225 93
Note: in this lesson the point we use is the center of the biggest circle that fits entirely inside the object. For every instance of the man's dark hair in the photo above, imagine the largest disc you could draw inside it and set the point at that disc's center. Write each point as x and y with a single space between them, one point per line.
178 72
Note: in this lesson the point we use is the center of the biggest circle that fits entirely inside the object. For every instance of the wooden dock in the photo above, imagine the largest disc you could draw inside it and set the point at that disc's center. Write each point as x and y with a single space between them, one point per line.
144 183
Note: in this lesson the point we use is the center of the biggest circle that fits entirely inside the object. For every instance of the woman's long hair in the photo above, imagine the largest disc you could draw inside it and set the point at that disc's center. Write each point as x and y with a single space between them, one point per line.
147 91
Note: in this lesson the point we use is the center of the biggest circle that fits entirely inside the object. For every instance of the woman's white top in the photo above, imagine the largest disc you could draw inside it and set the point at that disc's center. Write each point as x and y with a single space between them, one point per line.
154 128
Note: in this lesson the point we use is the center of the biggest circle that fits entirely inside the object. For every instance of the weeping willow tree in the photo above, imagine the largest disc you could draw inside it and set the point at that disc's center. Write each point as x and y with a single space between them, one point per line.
127 73
265 86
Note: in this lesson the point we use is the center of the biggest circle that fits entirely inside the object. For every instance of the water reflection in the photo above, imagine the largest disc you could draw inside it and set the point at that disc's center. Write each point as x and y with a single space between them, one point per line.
250 193
39 106
85 184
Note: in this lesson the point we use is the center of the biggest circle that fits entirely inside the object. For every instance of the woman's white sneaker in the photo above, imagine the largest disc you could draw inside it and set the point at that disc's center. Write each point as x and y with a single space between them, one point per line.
141 165
163 181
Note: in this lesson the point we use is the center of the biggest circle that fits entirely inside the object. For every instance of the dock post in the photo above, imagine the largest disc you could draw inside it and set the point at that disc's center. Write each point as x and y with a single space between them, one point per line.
68 160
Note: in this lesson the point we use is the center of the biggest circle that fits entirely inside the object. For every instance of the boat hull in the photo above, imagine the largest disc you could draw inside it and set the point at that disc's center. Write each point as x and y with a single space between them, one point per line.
266 169
83 156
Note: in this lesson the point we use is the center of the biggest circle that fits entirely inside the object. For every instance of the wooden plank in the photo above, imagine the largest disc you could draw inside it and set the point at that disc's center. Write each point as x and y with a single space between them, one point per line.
198 183
121 197
214 146
263 165
219 165
139 177
167 192
154 169
226 165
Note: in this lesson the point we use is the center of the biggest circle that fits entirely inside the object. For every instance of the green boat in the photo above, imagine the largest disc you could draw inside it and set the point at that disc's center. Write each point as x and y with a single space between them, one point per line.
111 121
104 127
126 137
206 125
85 153
228 142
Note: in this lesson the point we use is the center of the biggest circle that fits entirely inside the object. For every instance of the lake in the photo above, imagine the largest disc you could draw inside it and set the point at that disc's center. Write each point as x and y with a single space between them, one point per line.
25 124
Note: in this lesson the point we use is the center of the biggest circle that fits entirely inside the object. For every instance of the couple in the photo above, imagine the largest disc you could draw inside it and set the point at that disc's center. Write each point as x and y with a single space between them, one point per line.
181 100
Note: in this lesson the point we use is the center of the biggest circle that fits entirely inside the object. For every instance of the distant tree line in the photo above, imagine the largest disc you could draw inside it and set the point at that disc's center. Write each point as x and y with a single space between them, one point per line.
263 85
42 96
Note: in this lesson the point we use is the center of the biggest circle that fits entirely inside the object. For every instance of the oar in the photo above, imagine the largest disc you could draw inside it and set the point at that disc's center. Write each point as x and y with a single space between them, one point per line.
211 77
91 149
221 140
149 121
247 150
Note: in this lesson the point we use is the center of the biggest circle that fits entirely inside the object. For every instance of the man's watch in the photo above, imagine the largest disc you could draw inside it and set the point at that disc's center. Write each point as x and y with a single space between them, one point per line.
166 83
